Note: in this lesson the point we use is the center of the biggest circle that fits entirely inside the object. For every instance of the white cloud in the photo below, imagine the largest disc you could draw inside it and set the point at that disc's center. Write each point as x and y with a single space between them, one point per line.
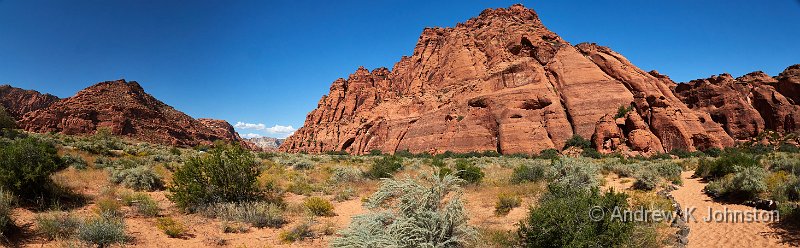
251 135
278 129
242 125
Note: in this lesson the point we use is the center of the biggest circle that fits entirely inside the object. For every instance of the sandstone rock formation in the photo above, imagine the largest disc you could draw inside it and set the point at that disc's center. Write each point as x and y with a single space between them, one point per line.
266 143
18 101
503 82
748 105
125 109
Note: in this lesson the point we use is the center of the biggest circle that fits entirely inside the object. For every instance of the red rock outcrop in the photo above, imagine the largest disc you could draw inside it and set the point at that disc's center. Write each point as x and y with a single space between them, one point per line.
500 82
748 105
127 110
18 101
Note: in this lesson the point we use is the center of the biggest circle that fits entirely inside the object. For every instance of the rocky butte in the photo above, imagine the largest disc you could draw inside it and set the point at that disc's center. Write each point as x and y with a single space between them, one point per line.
503 82
123 107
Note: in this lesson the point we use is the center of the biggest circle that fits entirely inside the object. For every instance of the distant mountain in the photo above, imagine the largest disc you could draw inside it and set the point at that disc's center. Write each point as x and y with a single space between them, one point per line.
503 82
123 107
266 143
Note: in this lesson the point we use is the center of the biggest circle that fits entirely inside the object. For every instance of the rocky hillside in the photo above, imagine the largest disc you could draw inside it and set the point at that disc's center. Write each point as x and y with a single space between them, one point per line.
123 107
503 82
18 101
266 143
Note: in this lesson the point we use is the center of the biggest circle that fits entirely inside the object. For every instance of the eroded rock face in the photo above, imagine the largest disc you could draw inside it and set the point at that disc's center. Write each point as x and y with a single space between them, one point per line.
500 82
266 143
125 109
748 105
18 101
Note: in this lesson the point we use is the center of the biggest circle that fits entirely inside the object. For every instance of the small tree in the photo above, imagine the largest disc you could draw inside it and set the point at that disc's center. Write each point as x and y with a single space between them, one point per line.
6 121
226 173
578 141
408 213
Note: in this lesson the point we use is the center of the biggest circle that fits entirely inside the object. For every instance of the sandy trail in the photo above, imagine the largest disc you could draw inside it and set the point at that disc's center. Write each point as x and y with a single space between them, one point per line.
715 234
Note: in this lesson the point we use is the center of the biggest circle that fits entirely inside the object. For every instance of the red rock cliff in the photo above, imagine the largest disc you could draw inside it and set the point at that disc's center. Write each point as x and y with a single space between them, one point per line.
502 82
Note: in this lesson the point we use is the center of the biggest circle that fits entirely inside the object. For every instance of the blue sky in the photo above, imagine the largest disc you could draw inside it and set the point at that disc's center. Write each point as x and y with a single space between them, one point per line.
267 63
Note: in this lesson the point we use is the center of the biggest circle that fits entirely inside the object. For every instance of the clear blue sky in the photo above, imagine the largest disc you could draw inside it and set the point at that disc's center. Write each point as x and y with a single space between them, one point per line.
269 62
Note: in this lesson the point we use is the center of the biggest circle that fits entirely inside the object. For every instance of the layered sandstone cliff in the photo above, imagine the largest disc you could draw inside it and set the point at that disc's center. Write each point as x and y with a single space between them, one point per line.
503 82
748 105
18 102
124 108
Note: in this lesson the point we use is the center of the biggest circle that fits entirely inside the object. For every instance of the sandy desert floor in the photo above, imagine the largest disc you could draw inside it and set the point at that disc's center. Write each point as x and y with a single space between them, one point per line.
712 234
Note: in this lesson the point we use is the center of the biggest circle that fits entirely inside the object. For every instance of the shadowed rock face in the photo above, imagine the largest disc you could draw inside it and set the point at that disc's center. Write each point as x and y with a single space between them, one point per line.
125 109
748 105
503 82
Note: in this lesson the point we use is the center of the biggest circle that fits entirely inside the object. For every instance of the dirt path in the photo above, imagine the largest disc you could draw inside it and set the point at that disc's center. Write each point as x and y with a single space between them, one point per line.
715 234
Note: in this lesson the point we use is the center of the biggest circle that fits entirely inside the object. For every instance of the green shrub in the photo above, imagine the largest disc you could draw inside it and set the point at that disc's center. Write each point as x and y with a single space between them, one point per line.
137 178
622 111
6 121
468 171
739 186
170 227
646 180
74 161
727 163
682 153
577 141
548 154
257 214
410 213
224 174
345 195
789 148
26 166
101 143
7 203
713 152
527 173
375 152
319 206
563 220
102 231
591 153
297 233
506 202
57 225
385 167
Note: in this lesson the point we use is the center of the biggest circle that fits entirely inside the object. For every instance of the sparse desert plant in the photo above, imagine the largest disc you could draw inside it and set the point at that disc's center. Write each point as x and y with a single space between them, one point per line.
727 163
345 195
561 220
102 231
137 178
646 180
385 167
505 203
623 110
345 174
257 214
318 206
468 171
575 173
527 173
57 225
297 233
225 174
412 213
74 161
108 206
26 165
739 186
143 203
170 227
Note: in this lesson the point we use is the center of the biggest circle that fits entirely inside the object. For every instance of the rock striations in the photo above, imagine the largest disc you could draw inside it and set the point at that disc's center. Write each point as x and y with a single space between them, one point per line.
123 107
266 143
503 82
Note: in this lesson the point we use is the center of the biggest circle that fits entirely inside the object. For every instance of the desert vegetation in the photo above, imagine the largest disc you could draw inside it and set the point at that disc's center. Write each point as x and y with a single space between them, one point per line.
101 190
